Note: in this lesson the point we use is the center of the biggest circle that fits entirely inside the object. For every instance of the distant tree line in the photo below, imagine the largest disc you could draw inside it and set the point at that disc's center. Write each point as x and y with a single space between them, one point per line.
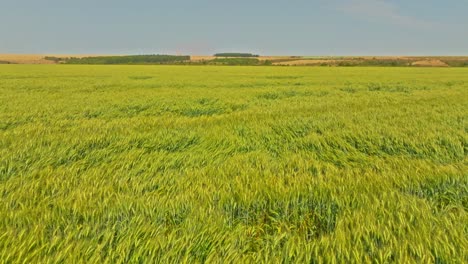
133 59
235 62
375 62
242 55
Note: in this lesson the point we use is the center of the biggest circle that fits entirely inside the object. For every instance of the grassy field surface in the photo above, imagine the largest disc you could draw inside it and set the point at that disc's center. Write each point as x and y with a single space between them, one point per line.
166 164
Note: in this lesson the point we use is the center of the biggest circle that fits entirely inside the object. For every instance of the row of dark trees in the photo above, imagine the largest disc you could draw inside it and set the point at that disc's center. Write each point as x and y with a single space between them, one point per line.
133 59
236 55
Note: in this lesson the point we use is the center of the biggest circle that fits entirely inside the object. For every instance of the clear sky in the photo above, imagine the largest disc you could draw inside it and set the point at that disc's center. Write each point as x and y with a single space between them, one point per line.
267 27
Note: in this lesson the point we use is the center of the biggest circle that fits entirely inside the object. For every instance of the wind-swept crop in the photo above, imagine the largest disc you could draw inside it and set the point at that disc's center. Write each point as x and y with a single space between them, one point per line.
173 164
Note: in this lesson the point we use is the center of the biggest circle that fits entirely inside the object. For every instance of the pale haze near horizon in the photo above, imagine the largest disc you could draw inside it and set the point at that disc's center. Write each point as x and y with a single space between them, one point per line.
334 27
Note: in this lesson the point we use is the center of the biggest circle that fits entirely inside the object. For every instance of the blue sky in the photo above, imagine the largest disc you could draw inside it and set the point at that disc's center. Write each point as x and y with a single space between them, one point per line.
294 27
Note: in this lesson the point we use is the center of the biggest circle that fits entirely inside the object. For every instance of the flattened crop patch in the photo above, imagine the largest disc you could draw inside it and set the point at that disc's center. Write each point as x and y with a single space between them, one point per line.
311 217
443 193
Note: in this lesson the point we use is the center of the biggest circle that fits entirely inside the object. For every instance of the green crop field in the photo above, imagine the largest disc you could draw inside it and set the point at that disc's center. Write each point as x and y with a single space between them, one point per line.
217 164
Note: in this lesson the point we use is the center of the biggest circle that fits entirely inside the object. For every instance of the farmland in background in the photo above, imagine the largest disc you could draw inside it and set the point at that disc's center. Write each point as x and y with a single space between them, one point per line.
34 58
241 59
166 164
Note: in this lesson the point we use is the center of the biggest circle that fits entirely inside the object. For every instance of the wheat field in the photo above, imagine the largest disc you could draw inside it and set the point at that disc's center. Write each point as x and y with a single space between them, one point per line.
173 164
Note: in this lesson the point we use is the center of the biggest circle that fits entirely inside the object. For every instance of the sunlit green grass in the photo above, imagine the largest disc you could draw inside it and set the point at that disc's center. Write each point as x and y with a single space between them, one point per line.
155 164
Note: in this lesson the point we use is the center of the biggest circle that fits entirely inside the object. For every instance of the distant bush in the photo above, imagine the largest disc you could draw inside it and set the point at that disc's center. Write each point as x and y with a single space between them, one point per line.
241 55
347 63
56 59
134 59
5 62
